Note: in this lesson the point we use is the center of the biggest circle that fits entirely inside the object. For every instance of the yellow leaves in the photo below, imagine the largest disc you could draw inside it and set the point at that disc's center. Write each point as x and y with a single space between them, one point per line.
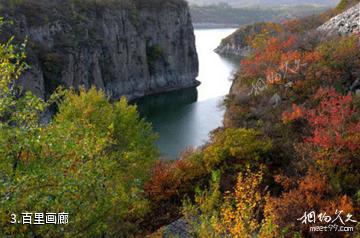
240 211
269 229
238 215
246 145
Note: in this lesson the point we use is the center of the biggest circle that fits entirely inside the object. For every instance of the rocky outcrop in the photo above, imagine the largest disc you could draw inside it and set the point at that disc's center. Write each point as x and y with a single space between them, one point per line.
236 44
233 50
343 24
179 228
132 48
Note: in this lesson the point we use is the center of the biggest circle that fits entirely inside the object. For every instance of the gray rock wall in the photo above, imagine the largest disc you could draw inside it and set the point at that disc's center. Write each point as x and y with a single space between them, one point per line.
236 44
131 50
343 24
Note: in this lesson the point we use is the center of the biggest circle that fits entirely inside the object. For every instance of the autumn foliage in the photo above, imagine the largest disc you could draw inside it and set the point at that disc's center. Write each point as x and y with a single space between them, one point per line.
267 58
335 132
310 193
231 149
172 179
314 126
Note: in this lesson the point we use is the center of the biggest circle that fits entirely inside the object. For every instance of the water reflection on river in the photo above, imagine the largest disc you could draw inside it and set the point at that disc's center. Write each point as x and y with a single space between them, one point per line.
184 118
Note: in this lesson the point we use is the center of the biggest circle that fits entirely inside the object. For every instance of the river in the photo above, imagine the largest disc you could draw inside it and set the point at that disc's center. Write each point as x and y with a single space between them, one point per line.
184 118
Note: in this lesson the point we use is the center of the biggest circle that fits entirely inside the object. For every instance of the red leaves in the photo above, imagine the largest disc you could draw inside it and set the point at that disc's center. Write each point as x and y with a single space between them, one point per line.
279 61
334 131
331 121
289 43
163 183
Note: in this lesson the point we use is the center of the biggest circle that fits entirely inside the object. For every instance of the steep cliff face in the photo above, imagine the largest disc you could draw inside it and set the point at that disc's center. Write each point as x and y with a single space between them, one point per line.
130 48
345 23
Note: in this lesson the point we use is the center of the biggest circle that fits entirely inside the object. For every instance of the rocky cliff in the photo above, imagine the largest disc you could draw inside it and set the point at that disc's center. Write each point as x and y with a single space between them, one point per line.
236 44
345 23
130 48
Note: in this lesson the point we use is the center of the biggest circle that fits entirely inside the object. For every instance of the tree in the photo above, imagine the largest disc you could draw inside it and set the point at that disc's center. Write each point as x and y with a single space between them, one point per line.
91 161
240 147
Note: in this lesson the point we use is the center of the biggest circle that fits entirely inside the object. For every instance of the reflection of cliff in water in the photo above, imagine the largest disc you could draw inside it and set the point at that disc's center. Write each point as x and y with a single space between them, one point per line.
184 118
160 103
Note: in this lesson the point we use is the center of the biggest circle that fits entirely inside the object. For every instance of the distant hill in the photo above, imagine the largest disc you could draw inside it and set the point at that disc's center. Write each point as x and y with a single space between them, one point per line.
265 3
223 15
330 22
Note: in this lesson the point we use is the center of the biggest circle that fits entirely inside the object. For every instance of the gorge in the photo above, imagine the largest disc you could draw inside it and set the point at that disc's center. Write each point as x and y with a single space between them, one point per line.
131 49
139 148
185 118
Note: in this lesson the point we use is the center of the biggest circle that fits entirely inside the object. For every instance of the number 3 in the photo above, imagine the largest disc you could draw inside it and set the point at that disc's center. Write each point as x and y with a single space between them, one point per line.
13 218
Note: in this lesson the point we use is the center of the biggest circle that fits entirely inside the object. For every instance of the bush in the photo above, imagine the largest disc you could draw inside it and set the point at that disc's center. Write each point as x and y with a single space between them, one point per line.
243 147
235 214
229 150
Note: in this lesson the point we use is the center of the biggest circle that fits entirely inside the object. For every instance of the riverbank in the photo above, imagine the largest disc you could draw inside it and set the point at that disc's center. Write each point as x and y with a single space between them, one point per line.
184 118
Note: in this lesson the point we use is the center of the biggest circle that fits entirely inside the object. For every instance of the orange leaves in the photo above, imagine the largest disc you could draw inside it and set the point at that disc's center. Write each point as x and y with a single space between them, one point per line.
273 77
171 179
281 60
158 184
297 113
289 43
313 193
277 61
267 59
311 57
290 56
292 25
164 183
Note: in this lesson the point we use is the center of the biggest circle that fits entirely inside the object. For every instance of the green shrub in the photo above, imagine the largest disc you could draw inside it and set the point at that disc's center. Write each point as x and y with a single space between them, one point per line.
91 161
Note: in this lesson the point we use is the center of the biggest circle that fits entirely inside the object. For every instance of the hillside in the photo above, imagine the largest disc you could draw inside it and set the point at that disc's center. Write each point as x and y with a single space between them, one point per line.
285 162
290 144
237 44
130 48
224 15
266 3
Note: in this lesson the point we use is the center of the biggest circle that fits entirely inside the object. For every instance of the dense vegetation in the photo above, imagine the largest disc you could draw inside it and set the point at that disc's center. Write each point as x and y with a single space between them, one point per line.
91 161
242 37
273 160
315 131
290 145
